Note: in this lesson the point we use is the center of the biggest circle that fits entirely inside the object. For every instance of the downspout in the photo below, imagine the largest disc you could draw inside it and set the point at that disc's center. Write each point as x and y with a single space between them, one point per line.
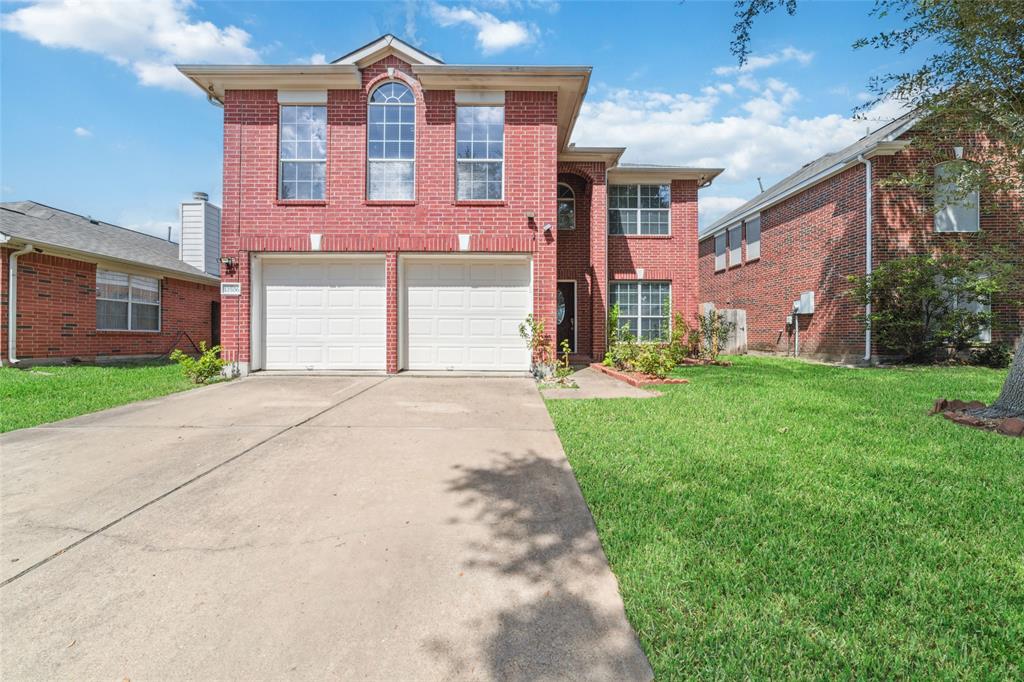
12 301
867 252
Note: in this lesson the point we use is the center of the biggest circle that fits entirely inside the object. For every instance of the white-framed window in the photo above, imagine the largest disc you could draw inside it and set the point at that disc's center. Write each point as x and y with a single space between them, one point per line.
566 207
480 152
303 152
127 302
639 209
720 262
753 228
954 213
644 307
391 143
735 245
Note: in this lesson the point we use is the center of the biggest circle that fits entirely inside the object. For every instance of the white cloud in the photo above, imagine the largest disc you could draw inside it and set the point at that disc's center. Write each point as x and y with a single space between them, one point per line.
756 62
83 132
318 58
146 37
493 35
753 132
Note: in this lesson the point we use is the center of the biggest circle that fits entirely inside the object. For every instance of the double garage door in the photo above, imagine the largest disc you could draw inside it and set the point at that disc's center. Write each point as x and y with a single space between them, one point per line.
454 313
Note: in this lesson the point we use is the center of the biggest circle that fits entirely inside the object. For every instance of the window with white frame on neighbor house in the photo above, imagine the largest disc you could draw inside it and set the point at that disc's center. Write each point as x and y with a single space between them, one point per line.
391 143
639 209
303 152
127 302
957 211
479 152
735 245
720 261
643 307
753 228
566 207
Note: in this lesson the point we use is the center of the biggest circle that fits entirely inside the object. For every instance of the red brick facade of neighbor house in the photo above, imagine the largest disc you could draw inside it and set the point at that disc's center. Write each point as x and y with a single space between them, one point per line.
812 239
57 313
301 303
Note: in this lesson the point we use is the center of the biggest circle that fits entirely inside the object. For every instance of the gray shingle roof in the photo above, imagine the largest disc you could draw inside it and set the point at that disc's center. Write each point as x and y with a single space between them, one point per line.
808 171
45 226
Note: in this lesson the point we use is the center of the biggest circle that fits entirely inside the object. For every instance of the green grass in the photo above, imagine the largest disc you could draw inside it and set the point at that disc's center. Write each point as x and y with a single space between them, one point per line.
46 394
780 519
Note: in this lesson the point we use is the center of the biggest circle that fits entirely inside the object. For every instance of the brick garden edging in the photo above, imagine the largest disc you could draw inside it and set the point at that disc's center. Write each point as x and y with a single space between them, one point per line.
956 411
636 380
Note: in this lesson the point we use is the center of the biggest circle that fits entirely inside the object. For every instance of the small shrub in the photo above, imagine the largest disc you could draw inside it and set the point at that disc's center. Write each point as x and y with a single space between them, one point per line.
564 369
994 355
684 342
654 359
200 370
532 331
714 334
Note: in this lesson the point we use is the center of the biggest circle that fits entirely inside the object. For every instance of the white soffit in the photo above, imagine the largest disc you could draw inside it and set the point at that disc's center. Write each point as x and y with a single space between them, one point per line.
302 97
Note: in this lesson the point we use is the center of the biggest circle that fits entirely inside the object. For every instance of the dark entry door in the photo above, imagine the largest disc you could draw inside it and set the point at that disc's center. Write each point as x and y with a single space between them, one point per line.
566 314
215 323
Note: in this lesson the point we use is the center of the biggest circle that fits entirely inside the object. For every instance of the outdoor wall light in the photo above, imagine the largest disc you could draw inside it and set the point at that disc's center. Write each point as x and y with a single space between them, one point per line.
529 215
228 261
958 152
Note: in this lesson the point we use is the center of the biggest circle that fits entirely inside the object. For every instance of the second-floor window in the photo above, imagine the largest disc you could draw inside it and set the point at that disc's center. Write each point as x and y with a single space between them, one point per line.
303 145
480 152
566 207
638 209
957 210
391 143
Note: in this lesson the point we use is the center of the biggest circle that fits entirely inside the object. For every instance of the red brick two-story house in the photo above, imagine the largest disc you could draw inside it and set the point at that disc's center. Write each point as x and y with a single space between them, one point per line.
391 212
801 238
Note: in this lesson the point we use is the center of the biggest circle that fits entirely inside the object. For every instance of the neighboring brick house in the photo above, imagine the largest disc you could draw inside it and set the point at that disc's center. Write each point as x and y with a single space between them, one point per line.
388 211
809 232
77 289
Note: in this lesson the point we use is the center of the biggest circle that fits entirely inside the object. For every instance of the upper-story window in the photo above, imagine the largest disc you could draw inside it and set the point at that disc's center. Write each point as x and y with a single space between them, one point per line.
303 144
480 152
958 211
638 209
391 143
566 207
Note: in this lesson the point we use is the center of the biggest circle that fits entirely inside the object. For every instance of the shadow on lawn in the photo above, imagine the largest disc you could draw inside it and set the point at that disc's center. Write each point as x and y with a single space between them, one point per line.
563 618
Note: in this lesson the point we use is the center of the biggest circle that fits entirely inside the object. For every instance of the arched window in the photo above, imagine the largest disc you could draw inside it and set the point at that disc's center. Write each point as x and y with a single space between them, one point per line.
955 210
391 142
566 207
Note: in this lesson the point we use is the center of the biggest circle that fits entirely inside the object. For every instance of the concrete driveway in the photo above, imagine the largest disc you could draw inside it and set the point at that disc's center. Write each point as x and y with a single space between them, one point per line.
309 528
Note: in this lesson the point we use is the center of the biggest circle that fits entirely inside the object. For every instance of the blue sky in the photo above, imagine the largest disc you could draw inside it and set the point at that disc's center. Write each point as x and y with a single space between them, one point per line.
94 119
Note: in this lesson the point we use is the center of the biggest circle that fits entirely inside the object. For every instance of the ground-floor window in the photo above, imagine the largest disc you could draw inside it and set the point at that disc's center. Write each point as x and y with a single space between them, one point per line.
127 302
643 307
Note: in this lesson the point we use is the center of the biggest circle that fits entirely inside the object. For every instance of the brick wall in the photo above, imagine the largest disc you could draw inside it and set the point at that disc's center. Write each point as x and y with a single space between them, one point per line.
815 239
255 220
57 313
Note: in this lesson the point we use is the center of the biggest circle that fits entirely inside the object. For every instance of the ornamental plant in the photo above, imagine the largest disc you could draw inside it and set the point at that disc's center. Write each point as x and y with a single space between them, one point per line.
200 370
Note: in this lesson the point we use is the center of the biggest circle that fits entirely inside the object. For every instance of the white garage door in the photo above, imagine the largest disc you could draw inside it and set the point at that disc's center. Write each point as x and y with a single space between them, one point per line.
464 314
325 315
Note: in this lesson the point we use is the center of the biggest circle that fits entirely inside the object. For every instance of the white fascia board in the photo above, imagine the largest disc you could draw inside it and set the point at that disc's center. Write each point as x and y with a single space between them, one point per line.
384 46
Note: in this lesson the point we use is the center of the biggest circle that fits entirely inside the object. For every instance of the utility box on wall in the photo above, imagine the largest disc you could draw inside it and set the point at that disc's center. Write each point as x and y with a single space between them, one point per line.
807 303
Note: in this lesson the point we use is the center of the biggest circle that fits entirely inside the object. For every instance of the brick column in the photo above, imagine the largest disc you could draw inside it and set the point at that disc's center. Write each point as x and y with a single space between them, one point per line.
599 263
391 325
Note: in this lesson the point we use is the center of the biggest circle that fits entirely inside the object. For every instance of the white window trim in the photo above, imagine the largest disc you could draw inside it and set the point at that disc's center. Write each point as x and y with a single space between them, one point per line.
725 252
559 200
370 159
504 149
746 238
975 195
130 301
638 209
638 283
281 162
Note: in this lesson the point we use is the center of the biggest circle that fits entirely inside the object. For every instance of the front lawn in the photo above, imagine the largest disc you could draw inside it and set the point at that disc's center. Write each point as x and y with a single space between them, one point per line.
779 519
46 394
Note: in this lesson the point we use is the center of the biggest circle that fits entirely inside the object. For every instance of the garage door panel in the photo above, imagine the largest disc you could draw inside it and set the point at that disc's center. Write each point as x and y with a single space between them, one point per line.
325 315
466 315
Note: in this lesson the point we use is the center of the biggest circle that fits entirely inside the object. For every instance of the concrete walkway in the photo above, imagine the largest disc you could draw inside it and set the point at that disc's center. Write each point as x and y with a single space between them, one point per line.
309 528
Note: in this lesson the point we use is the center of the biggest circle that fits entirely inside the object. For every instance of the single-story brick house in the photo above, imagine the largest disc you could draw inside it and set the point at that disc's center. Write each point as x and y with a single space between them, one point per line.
388 211
78 289
802 237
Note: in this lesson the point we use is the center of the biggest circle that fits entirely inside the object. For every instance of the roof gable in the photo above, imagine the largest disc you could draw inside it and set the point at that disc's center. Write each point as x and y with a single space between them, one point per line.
385 46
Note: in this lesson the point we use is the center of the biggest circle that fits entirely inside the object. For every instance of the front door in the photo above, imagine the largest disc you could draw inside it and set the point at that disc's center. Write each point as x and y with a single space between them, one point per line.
566 314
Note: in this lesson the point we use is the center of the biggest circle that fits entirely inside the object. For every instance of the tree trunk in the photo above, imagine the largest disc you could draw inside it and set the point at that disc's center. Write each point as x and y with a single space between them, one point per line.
1011 398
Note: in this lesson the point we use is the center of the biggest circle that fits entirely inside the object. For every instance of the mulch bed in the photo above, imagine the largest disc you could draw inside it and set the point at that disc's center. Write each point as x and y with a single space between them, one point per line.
957 411
635 378
700 361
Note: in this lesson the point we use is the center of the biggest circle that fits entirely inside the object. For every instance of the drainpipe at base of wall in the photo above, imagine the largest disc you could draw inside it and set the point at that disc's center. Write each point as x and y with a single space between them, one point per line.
12 302
867 252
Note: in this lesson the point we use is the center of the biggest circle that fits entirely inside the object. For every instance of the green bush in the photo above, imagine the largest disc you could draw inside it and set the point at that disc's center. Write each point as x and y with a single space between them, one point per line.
200 370
655 359
713 334
994 355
